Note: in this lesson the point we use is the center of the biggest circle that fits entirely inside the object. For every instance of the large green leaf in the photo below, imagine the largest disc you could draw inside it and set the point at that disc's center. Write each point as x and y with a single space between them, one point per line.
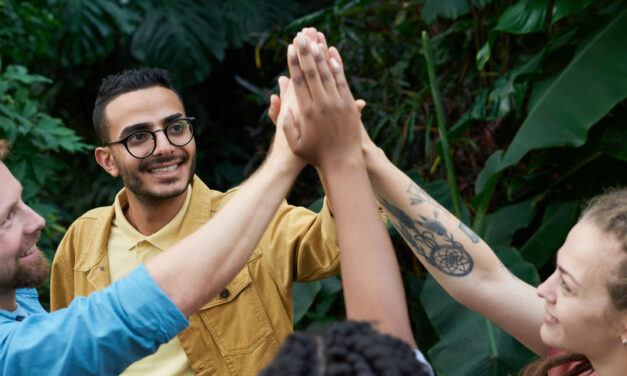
444 8
557 220
249 20
577 97
469 344
525 16
91 28
303 295
529 16
565 8
613 141
501 225
183 36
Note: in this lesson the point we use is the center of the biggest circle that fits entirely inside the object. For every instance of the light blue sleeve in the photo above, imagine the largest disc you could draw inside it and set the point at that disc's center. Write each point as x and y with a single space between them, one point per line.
96 335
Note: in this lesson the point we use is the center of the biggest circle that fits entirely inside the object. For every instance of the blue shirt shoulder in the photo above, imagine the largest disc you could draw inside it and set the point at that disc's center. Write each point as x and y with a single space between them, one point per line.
96 335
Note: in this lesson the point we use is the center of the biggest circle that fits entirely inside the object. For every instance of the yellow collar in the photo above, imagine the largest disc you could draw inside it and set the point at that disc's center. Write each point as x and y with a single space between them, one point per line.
163 239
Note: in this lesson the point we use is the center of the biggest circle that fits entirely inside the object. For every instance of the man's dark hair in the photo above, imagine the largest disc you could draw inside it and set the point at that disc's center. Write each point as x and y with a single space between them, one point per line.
345 349
124 82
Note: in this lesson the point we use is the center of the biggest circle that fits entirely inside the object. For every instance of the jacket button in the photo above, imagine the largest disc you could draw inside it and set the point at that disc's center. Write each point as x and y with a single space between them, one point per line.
225 293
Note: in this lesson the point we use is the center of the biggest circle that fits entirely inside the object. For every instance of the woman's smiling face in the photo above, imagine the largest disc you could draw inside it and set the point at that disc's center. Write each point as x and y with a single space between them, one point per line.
580 316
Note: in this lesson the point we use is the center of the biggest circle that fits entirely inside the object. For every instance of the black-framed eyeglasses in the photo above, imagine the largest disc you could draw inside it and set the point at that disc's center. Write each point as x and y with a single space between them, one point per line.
142 144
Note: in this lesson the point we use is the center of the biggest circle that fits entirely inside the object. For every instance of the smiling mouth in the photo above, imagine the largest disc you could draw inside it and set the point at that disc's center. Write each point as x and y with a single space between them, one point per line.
550 318
27 252
163 170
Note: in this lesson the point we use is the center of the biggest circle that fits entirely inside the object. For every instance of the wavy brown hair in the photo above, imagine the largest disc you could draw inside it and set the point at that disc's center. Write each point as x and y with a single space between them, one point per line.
609 213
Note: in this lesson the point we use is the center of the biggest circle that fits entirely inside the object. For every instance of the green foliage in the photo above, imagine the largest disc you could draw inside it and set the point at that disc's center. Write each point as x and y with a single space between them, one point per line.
37 140
534 97
26 31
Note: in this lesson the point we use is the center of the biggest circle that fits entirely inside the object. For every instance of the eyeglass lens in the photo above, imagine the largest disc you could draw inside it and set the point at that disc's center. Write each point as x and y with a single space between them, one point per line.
142 144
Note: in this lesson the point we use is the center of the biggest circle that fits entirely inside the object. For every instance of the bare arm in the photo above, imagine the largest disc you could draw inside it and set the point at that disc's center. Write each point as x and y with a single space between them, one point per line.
456 257
328 135
193 271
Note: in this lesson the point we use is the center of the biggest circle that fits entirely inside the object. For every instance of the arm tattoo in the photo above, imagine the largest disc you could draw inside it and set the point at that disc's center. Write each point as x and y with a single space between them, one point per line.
417 196
471 234
422 235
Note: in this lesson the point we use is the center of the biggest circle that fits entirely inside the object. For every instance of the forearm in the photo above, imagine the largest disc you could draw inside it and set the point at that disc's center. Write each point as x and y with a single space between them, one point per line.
449 250
212 255
373 288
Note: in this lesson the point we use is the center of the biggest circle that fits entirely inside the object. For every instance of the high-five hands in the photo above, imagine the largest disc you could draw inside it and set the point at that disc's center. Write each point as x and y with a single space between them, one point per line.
329 126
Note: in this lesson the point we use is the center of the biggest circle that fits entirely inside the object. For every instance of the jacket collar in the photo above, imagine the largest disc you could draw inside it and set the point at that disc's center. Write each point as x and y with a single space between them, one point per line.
93 255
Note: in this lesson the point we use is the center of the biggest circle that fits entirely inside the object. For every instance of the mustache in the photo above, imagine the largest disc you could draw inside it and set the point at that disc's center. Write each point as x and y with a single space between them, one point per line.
150 163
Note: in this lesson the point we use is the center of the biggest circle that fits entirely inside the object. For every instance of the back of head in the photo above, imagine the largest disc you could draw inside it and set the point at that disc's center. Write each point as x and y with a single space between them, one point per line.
345 349
123 82
609 212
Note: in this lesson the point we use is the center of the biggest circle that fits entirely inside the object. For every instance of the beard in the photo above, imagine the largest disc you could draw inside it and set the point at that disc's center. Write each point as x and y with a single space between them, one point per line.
133 181
33 274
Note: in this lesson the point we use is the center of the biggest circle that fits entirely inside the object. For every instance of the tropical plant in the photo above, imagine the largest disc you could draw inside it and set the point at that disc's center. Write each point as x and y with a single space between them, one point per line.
37 140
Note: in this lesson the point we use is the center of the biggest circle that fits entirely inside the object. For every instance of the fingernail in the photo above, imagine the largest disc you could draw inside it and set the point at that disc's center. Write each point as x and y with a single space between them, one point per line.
336 67
302 41
290 50
315 49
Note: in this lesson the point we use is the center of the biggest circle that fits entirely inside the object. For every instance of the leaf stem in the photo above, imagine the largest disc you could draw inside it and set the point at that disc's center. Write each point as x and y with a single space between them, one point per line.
446 150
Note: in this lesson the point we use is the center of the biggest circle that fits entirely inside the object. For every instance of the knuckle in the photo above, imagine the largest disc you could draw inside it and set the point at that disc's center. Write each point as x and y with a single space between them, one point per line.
298 80
311 73
325 77
309 112
294 61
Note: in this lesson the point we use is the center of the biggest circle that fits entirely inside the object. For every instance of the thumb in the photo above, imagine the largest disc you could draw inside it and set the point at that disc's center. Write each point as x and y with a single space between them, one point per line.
361 104
283 84
291 128
275 108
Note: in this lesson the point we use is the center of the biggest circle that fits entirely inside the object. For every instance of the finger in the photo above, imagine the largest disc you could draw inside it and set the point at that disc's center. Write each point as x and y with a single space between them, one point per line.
275 108
308 56
296 73
326 76
360 103
284 82
311 33
338 73
291 129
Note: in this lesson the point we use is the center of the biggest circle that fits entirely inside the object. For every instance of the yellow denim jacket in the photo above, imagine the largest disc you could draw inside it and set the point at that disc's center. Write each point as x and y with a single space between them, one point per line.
239 331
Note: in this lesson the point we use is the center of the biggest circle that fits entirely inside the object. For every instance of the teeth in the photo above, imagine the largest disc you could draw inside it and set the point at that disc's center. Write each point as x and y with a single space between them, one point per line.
28 252
164 169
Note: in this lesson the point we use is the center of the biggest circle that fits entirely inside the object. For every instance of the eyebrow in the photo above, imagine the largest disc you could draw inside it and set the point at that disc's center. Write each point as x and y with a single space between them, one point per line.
563 271
144 126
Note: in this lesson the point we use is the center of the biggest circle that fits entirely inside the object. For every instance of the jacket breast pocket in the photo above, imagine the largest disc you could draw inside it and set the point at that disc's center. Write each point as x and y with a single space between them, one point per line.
236 318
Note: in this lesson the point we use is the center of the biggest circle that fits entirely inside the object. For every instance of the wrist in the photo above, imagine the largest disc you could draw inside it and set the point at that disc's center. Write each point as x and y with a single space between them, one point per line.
374 158
288 167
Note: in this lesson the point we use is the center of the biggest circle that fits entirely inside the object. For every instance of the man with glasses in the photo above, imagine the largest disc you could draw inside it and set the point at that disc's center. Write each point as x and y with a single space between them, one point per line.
147 140
103 333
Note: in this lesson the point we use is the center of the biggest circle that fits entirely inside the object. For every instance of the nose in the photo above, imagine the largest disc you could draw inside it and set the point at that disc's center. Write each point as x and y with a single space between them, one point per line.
163 145
33 222
546 290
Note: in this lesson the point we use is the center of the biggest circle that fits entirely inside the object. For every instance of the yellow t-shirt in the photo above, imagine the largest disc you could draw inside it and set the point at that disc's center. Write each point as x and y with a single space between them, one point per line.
127 248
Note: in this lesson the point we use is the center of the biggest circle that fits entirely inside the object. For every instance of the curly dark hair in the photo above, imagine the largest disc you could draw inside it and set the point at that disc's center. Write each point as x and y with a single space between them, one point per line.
124 82
345 349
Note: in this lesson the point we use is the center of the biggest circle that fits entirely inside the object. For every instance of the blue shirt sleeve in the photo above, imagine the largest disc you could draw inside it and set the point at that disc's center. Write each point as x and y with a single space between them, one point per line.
96 335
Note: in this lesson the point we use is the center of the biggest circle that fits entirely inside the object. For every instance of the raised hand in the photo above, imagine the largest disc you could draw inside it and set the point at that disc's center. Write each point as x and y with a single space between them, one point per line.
328 128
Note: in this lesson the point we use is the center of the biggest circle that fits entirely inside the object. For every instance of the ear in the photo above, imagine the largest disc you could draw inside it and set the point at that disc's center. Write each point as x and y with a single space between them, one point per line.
105 159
